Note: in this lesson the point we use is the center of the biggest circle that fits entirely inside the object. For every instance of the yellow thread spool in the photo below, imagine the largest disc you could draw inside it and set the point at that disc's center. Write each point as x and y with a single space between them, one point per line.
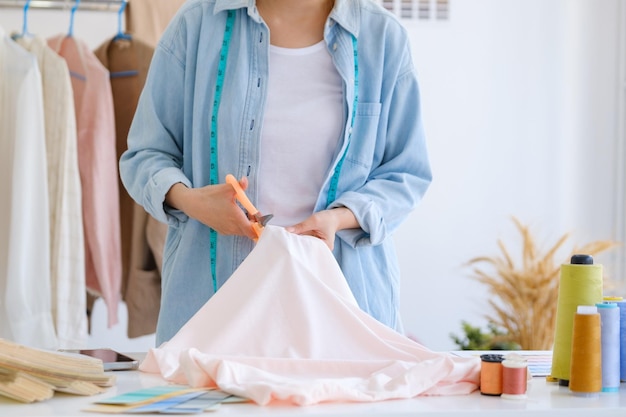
586 362
580 284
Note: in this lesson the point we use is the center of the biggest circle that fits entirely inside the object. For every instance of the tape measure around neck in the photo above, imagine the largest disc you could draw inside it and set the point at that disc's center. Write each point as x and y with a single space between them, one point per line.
332 192
332 189
219 84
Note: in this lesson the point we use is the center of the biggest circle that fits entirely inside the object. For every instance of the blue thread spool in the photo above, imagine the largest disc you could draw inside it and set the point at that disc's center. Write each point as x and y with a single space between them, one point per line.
622 338
610 339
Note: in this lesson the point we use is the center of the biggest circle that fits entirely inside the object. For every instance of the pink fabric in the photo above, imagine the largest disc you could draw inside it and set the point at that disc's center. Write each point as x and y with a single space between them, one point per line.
286 327
97 163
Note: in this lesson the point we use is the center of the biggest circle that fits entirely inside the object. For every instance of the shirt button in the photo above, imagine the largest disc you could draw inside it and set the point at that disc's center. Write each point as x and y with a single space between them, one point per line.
335 46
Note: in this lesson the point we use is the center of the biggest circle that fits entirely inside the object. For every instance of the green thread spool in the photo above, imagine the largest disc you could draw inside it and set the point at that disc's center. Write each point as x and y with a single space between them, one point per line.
580 284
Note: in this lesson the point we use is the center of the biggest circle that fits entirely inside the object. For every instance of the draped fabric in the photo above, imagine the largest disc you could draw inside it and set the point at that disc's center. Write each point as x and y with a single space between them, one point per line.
286 327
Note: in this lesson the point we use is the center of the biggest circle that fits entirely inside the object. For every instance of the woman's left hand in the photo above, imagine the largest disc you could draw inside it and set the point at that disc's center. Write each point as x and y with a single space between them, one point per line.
325 224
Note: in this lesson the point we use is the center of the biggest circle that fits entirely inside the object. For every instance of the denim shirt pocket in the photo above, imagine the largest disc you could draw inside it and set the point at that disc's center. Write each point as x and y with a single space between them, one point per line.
361 153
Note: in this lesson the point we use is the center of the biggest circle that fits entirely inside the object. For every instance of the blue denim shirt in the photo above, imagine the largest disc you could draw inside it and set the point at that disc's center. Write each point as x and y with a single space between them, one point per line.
385 171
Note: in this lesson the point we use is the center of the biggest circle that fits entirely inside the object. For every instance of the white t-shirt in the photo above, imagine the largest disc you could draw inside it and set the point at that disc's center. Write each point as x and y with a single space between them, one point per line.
302 128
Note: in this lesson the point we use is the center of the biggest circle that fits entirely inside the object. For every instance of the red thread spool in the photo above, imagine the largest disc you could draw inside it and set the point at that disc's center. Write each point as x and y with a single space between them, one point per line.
514 377
491 374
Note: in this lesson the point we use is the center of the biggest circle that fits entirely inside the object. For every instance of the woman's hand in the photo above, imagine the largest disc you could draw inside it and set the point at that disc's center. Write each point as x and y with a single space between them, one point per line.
325 224
214 206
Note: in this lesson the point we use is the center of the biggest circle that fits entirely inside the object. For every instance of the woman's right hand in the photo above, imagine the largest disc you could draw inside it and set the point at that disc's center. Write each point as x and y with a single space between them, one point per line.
213 205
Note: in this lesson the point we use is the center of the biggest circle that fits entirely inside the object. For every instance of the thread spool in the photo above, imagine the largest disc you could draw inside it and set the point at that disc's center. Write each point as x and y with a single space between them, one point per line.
514 377
491 374
580 284
621 304
586 362
610 344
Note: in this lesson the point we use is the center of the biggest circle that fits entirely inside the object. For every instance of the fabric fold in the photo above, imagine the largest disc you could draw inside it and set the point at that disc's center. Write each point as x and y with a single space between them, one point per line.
285 327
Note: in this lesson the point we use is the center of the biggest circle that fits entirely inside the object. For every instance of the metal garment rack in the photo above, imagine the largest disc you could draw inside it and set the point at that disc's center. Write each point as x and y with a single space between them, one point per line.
97 5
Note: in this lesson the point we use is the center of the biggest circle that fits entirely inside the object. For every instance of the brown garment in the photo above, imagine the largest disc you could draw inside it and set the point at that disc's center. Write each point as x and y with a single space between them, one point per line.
147 19
128 61
143 289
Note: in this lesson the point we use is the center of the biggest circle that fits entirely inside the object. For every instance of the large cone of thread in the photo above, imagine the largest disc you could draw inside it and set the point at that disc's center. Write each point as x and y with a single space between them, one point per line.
580 284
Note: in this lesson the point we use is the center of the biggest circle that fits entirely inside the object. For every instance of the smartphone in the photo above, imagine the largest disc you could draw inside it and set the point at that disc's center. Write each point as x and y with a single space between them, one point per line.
111 360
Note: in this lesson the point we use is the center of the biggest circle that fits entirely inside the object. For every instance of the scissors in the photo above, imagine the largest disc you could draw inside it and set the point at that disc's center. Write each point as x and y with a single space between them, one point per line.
258 220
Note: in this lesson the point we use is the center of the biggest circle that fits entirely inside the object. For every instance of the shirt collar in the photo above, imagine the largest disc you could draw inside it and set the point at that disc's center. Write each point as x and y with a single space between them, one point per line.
346 12
221 5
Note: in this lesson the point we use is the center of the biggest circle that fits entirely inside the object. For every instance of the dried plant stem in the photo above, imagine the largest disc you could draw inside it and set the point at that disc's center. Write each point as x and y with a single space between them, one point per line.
524 298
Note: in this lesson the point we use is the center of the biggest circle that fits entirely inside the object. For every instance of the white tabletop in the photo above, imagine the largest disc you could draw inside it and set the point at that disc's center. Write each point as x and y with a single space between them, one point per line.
543 399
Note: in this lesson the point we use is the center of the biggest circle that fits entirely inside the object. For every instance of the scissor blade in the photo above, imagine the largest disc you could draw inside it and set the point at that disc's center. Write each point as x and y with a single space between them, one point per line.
263 220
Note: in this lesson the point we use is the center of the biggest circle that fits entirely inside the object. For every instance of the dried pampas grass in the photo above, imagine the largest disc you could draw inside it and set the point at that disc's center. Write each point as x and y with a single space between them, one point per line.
525 296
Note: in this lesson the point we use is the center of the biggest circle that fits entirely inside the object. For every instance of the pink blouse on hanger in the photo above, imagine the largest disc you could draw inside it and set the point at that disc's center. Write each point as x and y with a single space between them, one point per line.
97 164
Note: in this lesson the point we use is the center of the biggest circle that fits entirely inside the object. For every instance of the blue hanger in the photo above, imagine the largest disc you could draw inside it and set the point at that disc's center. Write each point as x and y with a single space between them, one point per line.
120 32
122 35
25 24
71 30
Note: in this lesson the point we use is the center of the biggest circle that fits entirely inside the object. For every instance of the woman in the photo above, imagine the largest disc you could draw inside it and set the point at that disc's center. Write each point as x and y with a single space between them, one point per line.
314 104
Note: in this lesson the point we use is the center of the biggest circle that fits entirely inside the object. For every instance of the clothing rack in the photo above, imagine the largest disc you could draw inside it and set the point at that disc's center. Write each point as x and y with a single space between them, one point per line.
98 5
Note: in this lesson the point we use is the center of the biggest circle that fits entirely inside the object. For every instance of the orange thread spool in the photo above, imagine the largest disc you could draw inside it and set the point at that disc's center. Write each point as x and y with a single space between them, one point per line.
514 377
586 360
491 374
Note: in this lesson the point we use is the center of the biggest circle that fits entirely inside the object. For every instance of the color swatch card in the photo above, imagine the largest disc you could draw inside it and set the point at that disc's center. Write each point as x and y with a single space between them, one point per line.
170 399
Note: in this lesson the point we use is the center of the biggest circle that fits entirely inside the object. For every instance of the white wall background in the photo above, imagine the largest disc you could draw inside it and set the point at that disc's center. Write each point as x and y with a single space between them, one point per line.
523 113
519 102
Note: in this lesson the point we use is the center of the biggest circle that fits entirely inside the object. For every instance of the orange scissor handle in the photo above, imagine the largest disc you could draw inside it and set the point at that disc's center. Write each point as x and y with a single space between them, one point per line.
241 195
245 202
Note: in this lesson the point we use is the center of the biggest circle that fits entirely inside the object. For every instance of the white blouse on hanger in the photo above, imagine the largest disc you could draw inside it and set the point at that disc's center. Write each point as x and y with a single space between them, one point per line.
25 307
67 249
